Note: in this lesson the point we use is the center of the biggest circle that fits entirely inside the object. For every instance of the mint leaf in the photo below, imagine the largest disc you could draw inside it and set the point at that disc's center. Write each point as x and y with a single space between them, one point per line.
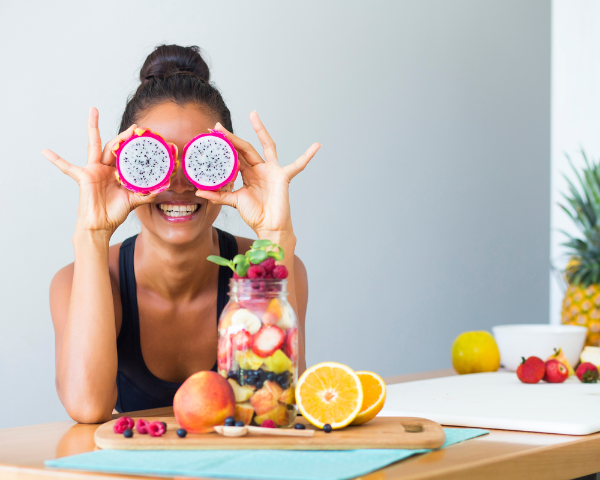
257 256
262 243
219 260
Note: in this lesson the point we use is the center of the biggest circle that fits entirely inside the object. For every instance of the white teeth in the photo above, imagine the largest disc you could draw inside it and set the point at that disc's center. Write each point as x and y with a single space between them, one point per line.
177 210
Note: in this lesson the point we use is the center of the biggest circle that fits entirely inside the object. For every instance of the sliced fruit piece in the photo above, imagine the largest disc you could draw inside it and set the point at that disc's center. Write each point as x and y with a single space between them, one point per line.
280 415
225 322
242 340
374 392
287 319
241 393
263 401
560 356
225 356
329 393
247 360
288 396
277 363
247 319
268 340
291 344
591 355
273 312
243 412
256 305
274 388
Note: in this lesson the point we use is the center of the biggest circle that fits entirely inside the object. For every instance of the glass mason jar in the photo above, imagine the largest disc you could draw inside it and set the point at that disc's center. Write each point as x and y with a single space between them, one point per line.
258 351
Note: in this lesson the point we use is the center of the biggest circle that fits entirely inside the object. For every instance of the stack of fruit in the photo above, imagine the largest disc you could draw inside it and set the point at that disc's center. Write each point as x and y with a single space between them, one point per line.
555 370
258 338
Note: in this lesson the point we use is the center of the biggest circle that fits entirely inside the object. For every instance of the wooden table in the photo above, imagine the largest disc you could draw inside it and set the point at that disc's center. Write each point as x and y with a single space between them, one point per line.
499 455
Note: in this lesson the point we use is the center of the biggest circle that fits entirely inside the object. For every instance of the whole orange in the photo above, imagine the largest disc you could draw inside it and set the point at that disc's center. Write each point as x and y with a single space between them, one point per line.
204 400
475 352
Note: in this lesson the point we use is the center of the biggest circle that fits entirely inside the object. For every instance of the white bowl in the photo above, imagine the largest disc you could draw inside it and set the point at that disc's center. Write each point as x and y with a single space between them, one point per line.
517 341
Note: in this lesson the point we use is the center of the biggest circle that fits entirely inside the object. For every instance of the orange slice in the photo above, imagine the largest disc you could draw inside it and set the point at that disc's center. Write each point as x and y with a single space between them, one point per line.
329 393
374 392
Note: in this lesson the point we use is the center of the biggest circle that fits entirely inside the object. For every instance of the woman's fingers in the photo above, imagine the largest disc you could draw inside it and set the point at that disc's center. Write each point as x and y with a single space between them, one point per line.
249 152
219 198
295 168
108 158
72 171
94 142
269 149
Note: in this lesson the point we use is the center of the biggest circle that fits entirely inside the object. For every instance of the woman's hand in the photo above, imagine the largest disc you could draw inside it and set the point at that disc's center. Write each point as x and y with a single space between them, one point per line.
263 201
103 203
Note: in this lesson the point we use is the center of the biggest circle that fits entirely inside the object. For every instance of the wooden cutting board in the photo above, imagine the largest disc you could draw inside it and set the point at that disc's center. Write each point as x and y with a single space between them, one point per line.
381 432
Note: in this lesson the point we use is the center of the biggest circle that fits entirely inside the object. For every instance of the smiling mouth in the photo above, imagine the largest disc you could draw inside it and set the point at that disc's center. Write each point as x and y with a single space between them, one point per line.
176 211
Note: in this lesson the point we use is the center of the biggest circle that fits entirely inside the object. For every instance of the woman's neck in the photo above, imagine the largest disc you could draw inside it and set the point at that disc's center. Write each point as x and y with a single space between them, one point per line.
175 272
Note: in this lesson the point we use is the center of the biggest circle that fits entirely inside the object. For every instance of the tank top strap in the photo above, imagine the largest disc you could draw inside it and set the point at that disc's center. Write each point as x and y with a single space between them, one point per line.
128 292
228 249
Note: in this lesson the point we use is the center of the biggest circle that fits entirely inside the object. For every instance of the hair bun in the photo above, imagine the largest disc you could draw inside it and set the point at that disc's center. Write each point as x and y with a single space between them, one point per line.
168 60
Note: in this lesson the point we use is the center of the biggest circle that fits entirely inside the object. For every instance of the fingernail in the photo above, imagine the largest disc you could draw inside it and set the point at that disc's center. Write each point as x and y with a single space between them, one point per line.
218 125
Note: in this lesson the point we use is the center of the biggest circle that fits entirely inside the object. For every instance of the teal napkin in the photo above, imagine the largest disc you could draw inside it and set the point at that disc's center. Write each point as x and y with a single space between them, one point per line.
250 464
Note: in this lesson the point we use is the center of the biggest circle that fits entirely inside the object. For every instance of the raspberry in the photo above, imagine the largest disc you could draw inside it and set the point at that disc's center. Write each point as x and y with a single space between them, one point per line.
256 271
156 429
269 424
122 424
280 272
142 426
268 264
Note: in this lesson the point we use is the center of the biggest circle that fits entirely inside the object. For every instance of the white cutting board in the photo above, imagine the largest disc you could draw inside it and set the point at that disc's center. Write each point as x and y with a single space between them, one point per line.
499 400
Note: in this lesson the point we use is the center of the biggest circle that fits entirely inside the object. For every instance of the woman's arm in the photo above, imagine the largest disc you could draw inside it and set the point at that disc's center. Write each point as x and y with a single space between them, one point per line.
81 296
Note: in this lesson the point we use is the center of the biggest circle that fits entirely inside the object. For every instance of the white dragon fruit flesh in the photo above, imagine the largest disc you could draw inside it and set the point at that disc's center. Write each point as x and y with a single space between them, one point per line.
145 162
210 161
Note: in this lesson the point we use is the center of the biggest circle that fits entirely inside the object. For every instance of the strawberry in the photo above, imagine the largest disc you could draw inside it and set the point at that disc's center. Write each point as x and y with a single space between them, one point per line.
242 340
290 346
268 340
587 372
556 372
225 356
531 370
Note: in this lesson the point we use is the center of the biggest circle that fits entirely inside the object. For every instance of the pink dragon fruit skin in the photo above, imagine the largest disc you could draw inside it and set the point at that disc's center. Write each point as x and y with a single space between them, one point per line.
164 154
210 173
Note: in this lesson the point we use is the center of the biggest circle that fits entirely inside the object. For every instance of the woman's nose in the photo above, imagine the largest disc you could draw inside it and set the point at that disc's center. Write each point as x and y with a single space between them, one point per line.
179 183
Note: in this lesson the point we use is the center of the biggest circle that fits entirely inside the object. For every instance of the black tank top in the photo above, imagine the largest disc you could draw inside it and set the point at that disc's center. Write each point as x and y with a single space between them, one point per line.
138 388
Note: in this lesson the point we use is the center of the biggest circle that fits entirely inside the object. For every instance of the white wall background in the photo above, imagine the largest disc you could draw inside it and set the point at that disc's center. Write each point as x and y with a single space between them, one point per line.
424 215
575 114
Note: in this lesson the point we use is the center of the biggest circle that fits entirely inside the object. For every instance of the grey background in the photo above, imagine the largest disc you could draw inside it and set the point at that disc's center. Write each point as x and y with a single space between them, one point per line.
425 214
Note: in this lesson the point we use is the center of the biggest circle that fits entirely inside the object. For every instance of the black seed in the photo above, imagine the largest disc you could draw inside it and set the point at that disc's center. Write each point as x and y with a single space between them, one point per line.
182 432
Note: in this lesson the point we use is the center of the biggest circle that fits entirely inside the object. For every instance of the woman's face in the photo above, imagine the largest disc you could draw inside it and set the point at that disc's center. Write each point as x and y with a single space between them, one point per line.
177 215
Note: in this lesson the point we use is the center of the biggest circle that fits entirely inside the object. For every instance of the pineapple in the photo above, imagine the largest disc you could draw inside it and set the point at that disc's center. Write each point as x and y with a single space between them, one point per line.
581 305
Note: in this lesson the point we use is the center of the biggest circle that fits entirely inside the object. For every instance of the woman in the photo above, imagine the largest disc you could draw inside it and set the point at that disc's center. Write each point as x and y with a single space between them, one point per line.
133 321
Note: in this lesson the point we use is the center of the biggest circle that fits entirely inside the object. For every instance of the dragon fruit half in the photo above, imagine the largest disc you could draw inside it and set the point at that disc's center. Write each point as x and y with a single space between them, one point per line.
145 162
210 161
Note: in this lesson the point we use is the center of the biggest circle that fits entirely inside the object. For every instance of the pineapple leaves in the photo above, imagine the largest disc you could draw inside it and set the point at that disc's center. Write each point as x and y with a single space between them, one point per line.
582 206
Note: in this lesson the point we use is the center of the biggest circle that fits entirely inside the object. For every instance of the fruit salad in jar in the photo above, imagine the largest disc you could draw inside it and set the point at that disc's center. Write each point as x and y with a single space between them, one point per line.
258 339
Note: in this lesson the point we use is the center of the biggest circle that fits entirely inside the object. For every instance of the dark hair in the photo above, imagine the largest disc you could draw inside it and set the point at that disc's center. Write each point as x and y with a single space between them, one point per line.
176 74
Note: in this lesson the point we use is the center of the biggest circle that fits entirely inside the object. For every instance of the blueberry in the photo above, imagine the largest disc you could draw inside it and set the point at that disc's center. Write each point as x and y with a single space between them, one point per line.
164 425
182 432
254 373
270 376
239 423
327 428
299 426
251 381
263 375
128 433
232 375
259 385
229 422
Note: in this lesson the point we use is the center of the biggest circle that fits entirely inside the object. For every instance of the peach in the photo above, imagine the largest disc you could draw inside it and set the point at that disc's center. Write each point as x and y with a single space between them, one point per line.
274 388
204 400
288 396
279 415
273 312
244 412
263 401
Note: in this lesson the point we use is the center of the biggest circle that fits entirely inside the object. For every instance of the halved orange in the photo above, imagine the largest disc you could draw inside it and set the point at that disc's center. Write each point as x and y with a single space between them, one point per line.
329 393
374 392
